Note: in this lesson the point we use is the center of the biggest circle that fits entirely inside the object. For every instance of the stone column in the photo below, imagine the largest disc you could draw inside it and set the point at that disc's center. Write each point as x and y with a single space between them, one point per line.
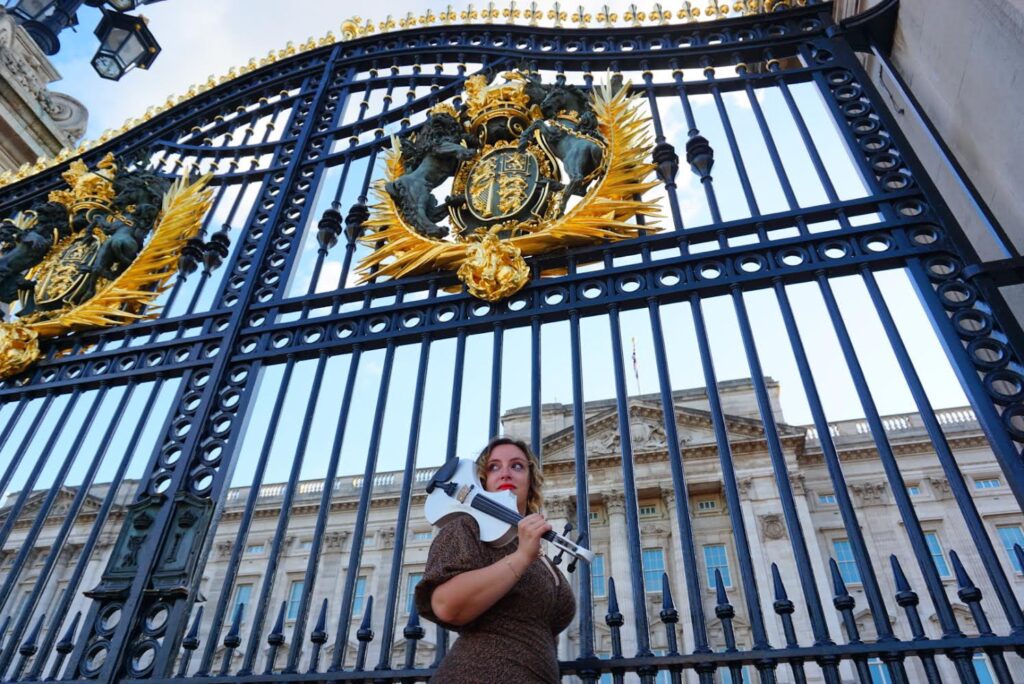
680 597
618 567
761 563
558 511
821 571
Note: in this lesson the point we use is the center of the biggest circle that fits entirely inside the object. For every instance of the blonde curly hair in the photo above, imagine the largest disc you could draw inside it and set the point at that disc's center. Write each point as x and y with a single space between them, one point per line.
535 498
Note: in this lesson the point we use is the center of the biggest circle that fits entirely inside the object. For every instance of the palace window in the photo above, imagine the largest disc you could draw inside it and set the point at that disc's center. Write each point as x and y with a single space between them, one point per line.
1010 535
606 678
422 536
254 549
844 559
828 499
727 677
360 594
410 590
648 511
597 583
988 483
243 592
935 549
879 672
663 676
294 599
981 669
913 490
654 565
716 558
707 505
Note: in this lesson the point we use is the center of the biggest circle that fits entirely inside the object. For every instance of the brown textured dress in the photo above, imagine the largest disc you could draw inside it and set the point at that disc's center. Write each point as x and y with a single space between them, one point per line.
515 639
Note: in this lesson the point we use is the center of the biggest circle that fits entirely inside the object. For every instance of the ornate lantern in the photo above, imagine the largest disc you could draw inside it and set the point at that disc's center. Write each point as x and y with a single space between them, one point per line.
125 43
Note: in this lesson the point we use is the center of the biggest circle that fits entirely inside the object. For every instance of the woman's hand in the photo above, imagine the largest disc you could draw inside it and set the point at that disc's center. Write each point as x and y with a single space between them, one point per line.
531 529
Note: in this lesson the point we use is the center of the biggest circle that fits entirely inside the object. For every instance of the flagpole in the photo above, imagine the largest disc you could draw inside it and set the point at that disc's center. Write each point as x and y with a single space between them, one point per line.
636 369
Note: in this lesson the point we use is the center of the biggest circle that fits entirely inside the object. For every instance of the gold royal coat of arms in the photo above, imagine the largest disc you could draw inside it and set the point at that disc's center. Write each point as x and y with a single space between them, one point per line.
92 255
532 167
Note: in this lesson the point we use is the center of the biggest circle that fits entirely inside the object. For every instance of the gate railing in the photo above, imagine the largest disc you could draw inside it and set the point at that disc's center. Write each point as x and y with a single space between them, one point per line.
817 191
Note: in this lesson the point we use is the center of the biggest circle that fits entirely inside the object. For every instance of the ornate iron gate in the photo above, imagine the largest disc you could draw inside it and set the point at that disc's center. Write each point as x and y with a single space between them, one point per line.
170 402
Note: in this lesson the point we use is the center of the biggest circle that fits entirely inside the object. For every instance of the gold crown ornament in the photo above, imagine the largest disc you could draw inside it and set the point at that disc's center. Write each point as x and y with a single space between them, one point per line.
88 189
445 108
485 102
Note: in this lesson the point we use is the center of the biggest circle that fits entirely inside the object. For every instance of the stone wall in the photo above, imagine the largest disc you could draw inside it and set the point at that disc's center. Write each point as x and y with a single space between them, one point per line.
964 63
34 121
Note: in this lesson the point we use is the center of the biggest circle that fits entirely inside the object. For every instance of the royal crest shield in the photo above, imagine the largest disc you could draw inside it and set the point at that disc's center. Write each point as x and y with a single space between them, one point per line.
63 273
94 254
533 167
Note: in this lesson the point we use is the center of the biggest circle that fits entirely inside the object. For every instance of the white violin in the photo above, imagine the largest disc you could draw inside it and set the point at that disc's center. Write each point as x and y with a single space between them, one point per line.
455 488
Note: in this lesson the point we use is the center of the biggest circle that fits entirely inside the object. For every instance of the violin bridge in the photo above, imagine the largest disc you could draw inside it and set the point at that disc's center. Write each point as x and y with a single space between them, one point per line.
463 492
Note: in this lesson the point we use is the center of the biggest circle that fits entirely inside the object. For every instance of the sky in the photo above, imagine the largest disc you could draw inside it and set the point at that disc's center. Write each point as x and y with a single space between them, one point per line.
204 38
200 38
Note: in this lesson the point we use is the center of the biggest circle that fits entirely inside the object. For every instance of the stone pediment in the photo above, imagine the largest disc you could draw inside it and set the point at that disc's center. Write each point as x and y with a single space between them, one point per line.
694 427
61 504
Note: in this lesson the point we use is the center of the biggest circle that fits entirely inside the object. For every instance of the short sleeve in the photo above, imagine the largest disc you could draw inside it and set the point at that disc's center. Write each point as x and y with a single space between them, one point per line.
456 549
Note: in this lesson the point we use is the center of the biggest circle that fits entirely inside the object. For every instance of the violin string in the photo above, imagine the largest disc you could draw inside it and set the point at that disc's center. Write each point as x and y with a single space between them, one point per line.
505 515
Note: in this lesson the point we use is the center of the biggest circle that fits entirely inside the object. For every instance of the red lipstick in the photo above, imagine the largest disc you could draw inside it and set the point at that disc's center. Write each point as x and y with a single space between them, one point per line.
503 487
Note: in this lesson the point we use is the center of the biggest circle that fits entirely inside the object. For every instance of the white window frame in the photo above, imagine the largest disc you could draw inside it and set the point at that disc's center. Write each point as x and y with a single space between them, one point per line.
710 569
294 598
1009 548
656 588
359 598
850 562
945 568
599 557
410 589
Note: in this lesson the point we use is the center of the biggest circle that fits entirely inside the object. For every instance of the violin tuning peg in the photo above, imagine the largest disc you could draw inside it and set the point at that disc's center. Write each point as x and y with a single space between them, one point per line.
567 529
557 560
581 541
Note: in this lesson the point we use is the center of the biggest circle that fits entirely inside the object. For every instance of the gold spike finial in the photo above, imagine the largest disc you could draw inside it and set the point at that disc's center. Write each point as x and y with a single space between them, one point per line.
581 17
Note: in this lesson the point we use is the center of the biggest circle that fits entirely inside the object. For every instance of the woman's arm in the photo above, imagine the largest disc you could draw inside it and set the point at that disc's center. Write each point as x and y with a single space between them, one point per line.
468 595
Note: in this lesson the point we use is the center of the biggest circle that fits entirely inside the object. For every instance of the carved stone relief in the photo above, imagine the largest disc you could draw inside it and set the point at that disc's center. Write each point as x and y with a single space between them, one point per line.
615 503
869 493
772 526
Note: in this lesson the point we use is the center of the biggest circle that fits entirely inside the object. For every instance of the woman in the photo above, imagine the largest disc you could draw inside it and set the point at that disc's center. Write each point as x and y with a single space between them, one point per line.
508 603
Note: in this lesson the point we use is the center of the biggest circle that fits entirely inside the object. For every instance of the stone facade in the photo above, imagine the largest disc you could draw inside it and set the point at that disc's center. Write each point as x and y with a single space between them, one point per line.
34 121
714 532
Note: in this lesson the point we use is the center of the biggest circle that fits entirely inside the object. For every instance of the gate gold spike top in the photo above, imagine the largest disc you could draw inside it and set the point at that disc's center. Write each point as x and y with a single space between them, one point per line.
533 167
93 255
533 14
557 15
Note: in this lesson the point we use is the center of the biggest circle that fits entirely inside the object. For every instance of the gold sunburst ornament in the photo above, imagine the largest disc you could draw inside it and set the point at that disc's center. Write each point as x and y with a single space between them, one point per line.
94 255
533 167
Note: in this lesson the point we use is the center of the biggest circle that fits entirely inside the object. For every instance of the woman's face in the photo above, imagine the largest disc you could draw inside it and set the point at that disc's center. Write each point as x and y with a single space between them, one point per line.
509 468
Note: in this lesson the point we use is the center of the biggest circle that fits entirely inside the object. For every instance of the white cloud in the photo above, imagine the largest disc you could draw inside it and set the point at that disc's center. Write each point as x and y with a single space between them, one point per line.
330 273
